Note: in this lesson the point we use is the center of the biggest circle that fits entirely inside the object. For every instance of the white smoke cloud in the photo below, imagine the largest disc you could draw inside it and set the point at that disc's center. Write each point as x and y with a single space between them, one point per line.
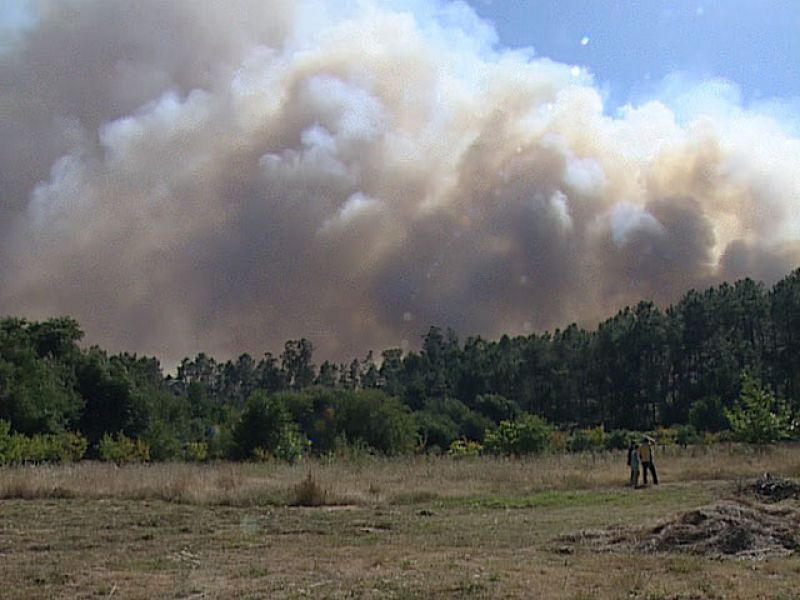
226 175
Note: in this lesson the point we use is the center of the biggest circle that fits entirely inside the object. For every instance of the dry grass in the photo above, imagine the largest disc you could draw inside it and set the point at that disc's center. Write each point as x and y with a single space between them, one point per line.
416 527
373 480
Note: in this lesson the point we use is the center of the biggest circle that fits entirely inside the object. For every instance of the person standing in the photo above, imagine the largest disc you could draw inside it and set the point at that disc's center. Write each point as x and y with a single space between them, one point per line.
646 458
633 463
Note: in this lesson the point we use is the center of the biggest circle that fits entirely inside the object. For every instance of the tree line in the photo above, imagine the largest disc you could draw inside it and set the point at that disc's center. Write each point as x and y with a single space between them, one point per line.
641 369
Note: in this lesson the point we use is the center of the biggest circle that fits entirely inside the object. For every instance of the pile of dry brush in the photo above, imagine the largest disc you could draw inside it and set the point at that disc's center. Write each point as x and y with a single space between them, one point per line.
735 528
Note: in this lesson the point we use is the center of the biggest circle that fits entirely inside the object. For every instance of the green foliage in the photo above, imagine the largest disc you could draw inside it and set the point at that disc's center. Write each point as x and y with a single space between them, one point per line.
497 408
329 417
17 448
162 441
708 414
121 449
196 452
580 442
292 444
641 369
436 430
260 427
381 422
444 420
464 449
758 417
618 439
36 388
588 440
112 403
527 435
686 435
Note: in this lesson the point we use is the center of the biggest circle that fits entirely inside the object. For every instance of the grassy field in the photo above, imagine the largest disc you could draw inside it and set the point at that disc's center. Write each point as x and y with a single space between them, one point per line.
419 527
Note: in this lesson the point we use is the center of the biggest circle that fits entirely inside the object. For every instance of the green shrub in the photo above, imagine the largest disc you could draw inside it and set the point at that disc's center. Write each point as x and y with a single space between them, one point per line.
162 441
527 435
292 445
464 449
497 408
685 435
260 426
358 417
618 439
380 421
122 449
436 429
758 417
196 452
16 448
597 438
74 447
708 414
579 442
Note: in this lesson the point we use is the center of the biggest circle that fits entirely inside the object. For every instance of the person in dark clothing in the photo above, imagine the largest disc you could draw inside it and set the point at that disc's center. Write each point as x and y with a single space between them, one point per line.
633 463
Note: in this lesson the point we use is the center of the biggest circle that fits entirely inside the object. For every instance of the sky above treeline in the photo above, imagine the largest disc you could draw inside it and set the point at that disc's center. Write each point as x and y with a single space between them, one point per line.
222 176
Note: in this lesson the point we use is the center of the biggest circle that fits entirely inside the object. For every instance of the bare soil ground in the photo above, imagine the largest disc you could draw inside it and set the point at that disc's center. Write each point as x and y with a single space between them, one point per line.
403 533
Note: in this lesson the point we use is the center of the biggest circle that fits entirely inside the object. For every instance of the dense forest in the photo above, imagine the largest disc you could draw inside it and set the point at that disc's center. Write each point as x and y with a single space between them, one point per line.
641 369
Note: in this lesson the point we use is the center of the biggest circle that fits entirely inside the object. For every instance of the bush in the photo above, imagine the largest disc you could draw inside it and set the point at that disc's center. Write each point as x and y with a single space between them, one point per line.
579 442
292 445
196 452
436 429
618 439
378 420
122 449
558 441
161 440
464 449
260 427
444 420
758 417
309 493
527 435
74 447
16 448
592 439
497 408
708 414
362 418
685 435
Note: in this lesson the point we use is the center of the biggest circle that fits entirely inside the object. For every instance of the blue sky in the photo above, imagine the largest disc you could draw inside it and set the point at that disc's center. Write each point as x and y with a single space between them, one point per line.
631 46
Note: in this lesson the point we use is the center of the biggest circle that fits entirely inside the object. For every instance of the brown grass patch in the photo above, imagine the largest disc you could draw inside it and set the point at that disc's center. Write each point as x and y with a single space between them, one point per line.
309 493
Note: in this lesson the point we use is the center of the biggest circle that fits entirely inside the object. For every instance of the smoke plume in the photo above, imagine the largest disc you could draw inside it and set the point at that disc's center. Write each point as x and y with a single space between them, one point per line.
229 174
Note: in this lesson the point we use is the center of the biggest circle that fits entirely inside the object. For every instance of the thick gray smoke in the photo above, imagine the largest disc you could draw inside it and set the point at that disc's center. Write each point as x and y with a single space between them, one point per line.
228 174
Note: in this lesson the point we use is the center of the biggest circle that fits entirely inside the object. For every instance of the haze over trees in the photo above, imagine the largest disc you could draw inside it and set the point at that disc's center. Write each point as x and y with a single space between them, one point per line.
724 357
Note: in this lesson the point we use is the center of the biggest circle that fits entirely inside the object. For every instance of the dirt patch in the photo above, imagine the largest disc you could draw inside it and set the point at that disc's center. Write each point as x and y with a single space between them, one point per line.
728 528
